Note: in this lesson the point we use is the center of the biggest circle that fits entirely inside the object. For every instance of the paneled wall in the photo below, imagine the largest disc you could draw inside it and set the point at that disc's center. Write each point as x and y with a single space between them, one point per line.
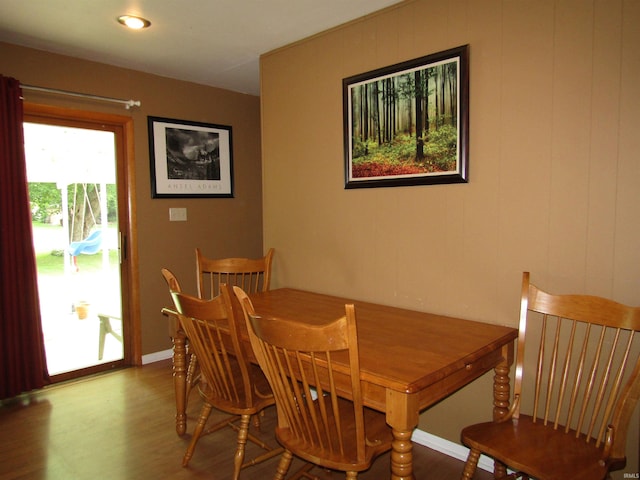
554 167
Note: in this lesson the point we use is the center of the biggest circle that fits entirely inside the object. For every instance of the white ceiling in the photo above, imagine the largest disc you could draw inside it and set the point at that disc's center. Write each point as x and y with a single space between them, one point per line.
210 42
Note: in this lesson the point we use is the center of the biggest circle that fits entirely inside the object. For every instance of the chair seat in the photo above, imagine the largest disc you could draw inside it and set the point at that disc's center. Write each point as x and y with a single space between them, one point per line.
240 406
532 448
379 438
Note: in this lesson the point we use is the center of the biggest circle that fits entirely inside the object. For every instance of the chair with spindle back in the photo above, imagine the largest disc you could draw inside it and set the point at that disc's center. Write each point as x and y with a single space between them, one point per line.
586 385
321 417
252 275
230 383
170 278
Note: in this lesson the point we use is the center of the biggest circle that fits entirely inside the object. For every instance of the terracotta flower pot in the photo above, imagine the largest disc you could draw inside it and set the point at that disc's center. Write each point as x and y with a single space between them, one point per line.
82 310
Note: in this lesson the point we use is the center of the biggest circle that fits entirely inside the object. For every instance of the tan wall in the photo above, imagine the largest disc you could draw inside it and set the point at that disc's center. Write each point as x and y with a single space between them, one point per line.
554 168
221 227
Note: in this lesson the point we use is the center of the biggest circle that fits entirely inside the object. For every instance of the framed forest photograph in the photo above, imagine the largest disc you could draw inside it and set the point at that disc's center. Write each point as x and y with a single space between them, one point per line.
408 124
190 159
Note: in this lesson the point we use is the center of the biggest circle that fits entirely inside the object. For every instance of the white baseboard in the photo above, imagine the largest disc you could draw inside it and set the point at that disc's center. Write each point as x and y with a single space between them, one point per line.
157 356
449 448
420 437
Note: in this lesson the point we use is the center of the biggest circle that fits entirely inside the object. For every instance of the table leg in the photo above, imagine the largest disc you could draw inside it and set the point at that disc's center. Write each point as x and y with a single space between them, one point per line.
402 415
501 386
180 380
501 395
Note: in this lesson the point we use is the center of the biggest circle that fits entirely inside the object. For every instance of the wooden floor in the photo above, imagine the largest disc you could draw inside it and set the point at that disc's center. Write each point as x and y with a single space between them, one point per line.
120 425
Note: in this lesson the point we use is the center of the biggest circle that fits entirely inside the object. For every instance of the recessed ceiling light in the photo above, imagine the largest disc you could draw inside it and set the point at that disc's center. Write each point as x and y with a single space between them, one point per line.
131 21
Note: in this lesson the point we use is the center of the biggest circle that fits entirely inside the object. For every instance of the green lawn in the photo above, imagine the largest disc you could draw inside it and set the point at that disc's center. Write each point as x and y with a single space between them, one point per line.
53 263
49 243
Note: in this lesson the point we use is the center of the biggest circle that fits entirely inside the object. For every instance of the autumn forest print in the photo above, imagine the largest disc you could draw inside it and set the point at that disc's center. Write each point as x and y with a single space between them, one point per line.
406 124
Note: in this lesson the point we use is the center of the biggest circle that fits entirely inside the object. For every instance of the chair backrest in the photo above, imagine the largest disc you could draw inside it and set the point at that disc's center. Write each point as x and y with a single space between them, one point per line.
213 334
252 275
171 280
288 350
587 355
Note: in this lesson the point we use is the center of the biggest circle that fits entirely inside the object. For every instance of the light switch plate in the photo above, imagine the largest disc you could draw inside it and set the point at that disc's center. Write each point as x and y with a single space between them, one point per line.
178 214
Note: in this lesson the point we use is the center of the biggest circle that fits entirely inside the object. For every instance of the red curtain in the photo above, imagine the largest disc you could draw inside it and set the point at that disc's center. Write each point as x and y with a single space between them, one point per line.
23 364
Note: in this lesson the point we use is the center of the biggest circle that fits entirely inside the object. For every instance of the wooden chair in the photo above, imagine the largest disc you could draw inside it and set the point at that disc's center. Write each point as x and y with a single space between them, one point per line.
584 390
316 422
229 382
252 275
172 281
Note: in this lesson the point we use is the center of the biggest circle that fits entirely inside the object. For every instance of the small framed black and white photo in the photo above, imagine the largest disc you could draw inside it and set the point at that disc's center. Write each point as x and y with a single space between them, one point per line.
190 159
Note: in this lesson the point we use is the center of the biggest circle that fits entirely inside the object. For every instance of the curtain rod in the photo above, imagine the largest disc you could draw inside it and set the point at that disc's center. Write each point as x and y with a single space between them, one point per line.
127 103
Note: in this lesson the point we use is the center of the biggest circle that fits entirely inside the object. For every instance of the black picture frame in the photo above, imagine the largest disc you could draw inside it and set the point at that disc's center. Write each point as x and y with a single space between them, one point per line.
190 159
382 110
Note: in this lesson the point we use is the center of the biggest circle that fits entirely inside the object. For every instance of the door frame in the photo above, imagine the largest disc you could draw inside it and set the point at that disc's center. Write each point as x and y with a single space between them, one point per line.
122 127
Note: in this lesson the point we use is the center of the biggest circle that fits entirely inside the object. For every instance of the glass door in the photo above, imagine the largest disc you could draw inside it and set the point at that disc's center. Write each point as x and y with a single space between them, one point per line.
73 192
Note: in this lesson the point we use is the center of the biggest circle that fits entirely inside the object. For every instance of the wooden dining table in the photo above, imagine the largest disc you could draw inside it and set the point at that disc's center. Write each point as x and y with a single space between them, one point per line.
409 360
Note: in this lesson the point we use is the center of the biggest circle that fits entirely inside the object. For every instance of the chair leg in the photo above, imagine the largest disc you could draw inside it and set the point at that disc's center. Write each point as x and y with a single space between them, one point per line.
303 472
269 453
192 371
255 420
499 470
283 465
101 338
352 475
242 443
471 465
106 328
197 433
